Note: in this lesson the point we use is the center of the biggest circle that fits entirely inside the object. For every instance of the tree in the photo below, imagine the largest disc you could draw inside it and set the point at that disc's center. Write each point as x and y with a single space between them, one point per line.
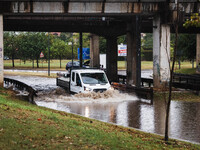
102 45
24 51
175 23
186 48
11 45
60 49
31 45
193 21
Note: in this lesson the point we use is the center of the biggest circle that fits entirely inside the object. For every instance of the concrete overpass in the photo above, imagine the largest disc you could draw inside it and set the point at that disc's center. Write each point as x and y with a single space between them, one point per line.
108 18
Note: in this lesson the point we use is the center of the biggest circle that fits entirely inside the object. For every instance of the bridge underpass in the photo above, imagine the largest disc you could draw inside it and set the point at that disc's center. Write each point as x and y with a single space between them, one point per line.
110 19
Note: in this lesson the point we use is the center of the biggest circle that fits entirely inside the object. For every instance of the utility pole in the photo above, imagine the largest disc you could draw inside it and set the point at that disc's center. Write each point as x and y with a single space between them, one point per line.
81 48
72 50
176 21
48 55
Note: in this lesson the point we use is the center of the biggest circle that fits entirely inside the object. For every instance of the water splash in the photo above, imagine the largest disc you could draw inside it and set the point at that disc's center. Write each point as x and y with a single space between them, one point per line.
60 95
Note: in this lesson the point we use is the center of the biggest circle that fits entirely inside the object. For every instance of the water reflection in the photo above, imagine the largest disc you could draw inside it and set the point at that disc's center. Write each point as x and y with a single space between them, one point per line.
184 116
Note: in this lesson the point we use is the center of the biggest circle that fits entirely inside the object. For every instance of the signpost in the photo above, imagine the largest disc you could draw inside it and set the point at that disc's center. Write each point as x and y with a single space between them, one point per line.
1 50
122 50
41 55
85 53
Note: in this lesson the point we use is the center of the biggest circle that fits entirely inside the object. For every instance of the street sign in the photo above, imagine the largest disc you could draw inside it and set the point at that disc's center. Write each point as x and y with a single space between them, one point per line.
122 50
86 53
41 55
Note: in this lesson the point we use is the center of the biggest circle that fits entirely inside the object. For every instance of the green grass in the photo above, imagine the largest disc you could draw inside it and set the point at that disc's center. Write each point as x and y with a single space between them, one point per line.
55 64
26 126
188 96
187 71
149 65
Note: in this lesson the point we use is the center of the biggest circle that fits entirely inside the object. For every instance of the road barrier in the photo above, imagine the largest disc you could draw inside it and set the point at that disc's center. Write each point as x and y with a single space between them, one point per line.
22 86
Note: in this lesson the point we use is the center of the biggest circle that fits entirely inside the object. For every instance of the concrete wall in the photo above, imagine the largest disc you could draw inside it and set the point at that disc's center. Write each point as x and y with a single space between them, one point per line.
1 50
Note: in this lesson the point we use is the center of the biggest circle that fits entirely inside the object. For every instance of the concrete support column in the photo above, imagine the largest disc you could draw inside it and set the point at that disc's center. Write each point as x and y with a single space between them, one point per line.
131 56
111 59
198 54
94 51
161 53
134 53
1 51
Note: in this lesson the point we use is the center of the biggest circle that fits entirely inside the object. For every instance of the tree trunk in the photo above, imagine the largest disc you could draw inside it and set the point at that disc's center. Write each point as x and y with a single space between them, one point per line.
179 64
13 61
170 83
37 62
192 63
33 63
60 61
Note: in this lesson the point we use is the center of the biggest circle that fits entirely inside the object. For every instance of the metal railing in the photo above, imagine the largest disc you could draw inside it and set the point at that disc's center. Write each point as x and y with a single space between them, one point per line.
22 86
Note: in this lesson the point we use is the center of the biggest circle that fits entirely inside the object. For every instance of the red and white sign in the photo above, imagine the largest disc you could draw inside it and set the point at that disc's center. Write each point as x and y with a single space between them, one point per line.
122 50
41 55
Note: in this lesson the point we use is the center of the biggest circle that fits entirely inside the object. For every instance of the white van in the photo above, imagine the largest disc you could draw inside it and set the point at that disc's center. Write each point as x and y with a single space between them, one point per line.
85 80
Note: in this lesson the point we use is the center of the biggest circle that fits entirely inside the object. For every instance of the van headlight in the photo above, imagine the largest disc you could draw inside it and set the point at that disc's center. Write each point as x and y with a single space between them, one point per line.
110 88
87 89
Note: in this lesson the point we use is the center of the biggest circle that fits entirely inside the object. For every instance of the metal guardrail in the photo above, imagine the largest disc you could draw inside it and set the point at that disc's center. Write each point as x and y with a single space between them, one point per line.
143 92
148 81
184 81
22 86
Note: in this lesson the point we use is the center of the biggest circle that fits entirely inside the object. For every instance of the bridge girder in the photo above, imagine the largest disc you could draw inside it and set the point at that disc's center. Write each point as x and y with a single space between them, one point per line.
102 17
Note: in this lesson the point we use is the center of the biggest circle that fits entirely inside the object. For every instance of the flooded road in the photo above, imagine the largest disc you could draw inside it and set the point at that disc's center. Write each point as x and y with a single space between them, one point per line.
121 108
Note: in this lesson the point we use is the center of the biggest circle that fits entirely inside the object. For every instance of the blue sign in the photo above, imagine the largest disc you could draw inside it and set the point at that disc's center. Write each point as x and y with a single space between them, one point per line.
86 53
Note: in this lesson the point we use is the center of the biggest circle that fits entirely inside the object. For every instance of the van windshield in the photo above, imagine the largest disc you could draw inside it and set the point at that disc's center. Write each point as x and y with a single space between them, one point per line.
94 78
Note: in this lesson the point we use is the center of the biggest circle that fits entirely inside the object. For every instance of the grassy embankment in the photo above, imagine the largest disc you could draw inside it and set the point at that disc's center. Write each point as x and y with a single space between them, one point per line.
187 96
26 126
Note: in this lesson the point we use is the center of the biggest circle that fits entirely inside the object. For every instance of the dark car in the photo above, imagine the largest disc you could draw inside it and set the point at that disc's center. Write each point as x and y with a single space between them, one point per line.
76 64
87 63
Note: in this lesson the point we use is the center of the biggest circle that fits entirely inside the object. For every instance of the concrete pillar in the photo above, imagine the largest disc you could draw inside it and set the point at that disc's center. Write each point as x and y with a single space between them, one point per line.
198 54
131 56
161 53
111 59
94 51
134 53
1 51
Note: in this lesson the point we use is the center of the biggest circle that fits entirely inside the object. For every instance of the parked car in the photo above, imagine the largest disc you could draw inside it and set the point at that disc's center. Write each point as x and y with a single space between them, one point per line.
6 58
76 64
87 63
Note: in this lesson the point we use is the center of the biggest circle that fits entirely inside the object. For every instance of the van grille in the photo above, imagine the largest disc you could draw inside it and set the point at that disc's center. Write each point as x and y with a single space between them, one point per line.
99 90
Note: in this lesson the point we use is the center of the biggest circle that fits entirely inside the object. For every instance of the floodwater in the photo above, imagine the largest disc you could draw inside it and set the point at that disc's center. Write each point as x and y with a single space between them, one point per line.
120 108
